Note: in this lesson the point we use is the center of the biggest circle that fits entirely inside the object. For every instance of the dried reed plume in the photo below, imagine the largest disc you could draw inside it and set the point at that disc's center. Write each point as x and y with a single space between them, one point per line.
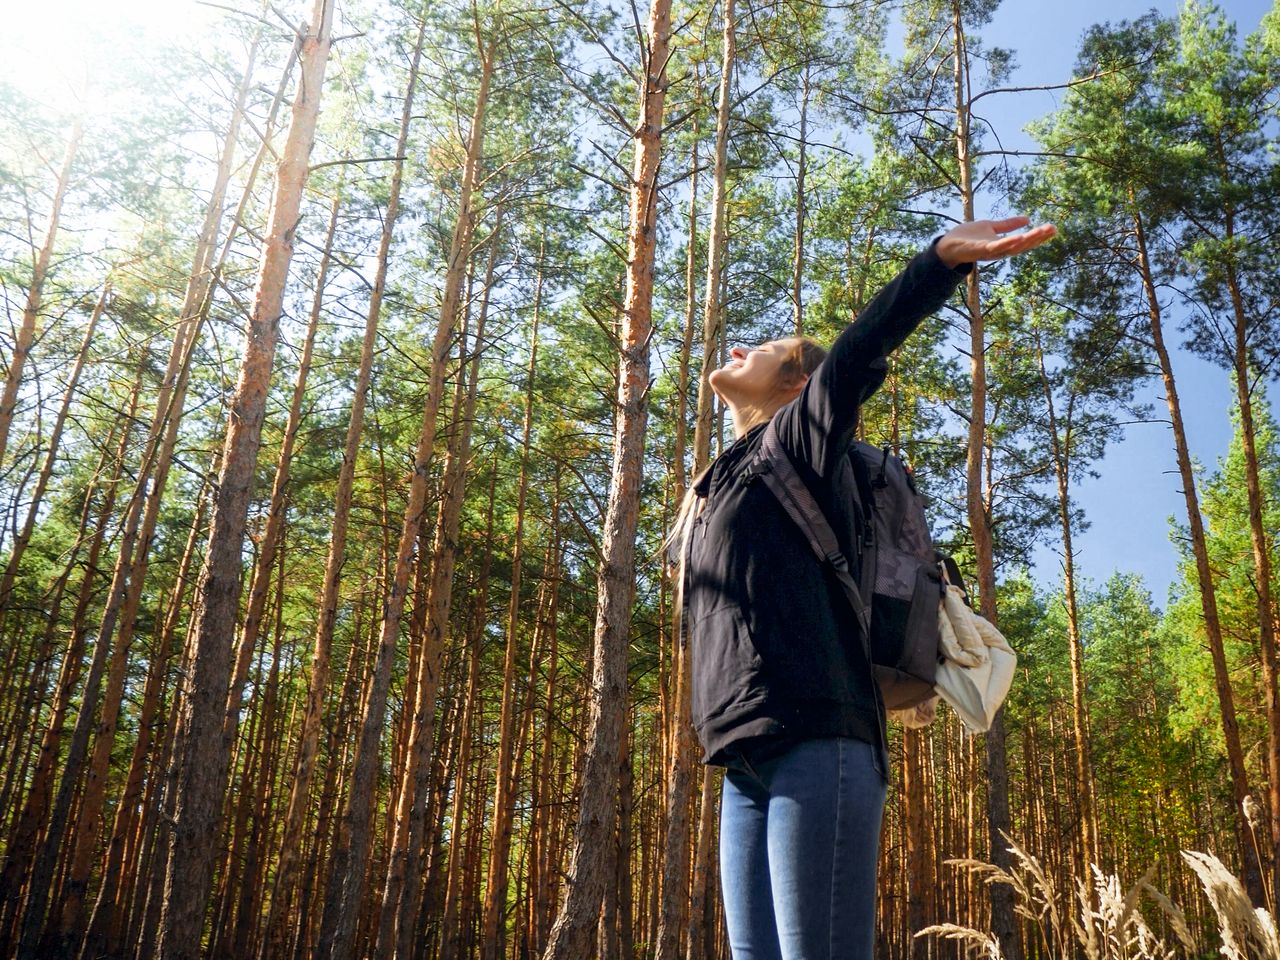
1102 921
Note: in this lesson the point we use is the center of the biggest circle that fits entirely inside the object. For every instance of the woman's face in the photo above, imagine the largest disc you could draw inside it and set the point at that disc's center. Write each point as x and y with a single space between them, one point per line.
752 374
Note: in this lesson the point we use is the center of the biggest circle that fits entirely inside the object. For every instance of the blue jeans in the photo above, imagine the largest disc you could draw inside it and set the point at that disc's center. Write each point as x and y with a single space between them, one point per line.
799 839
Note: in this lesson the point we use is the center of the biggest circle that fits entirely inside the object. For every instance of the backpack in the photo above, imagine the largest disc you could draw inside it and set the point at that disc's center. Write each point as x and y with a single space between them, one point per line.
896 603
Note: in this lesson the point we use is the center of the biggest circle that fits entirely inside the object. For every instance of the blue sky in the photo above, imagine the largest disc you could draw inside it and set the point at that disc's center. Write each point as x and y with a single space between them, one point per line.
1130 504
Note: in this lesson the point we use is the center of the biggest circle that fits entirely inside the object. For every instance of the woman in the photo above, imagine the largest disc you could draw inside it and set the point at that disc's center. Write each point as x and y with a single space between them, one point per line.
782 696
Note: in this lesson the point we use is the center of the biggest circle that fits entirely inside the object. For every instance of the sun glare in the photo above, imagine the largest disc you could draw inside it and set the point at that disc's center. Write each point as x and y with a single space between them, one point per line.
57 51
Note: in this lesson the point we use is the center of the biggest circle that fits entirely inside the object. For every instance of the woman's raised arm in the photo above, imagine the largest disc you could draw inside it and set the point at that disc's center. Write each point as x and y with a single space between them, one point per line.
817 428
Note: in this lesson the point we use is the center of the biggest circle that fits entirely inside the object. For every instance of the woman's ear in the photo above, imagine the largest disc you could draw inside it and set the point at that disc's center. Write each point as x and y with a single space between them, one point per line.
797 384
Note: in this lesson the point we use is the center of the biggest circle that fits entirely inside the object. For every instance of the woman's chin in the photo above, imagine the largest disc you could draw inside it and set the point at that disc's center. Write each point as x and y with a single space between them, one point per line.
719 381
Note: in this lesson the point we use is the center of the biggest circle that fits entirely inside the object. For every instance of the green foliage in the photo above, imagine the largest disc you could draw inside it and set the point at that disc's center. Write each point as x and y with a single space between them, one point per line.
1225 509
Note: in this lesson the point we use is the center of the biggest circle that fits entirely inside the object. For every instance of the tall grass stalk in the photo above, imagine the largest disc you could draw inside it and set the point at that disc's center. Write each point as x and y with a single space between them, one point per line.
1100 920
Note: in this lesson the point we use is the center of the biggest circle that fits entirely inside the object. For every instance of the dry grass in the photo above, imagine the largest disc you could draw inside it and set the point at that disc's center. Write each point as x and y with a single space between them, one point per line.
1101 920
1247 933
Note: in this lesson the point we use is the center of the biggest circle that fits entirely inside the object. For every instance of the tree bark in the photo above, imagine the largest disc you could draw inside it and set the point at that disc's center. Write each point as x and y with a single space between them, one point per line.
495 905
105 933
1090 853
674 911
999 822
346 883
402 893
700 911
711 309
272 535
450 936
575 926
797 260
1204 574
1262 550
201 755
31 311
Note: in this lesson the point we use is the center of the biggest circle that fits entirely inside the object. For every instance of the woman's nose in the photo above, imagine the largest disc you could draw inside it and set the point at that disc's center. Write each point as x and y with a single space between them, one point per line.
738 353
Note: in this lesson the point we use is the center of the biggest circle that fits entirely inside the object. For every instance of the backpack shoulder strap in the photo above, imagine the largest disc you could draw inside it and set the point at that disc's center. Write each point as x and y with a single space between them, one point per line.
774 467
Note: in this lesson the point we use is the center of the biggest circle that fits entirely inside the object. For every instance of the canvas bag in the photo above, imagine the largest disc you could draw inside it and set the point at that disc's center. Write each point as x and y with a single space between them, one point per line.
977 666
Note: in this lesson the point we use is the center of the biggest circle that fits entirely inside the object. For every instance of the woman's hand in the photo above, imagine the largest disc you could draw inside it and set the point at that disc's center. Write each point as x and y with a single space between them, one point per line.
981 240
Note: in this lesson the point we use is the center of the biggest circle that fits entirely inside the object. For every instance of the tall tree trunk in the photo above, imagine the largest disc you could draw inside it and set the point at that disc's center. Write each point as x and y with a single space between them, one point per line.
673 917
542 826
346 883
1204 573
450 936
1262 549
999 822
105 928
700 909
201 755
291 843
625 924
248 903
271 536
31 311
495 905
919 840
571 936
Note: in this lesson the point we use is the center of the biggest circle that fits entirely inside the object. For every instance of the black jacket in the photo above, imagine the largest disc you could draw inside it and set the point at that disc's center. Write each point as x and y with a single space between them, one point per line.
776 652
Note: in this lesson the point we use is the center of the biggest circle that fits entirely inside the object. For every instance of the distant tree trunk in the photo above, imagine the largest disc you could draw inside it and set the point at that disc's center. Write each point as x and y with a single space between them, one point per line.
23 844
919 841
1089 841
573 930
27 332
345 890
541 829
55 437
700 910
291 843
711 308
106 933
255 796
622 856
201 755
336 750
403 890
495 906
797 260
449 933
1262 551
527 744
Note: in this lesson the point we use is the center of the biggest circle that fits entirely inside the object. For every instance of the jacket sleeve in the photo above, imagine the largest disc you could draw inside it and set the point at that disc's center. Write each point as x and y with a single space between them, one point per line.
817 427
